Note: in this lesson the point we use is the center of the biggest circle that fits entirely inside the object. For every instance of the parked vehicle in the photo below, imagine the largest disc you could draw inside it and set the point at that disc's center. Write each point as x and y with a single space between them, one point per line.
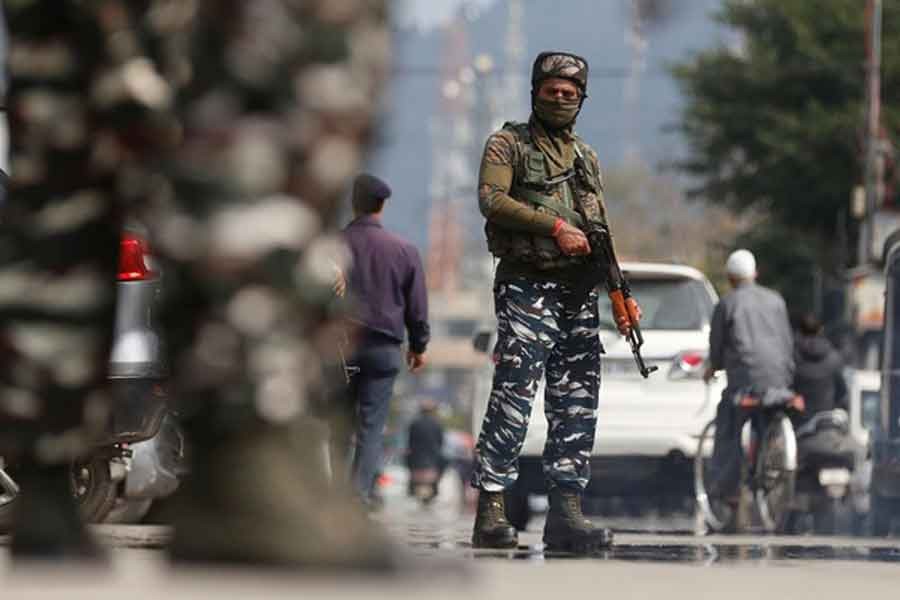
141 456
647 429
827 459
885 490
864 403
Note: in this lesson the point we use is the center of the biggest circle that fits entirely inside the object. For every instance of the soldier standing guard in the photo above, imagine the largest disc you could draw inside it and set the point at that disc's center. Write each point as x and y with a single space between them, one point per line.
546 307
230 128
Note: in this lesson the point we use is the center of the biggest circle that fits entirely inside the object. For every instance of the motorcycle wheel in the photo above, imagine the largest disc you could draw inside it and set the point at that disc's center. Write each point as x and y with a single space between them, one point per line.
881 516
825 519
776 471
94 489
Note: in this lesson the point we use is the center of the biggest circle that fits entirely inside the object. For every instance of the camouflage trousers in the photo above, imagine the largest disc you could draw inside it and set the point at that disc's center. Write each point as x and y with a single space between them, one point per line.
545 330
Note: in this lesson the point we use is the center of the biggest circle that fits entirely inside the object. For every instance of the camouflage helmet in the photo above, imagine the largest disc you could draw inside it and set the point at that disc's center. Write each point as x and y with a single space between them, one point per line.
560 64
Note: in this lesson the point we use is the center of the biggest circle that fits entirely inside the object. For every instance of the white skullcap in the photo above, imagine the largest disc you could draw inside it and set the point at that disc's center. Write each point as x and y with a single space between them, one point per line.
741 264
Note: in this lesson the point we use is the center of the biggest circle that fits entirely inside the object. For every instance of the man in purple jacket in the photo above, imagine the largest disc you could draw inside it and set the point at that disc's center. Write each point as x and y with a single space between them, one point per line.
387 281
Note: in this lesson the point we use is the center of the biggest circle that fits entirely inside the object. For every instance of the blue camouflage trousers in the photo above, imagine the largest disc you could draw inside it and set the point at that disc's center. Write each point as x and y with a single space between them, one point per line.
545 329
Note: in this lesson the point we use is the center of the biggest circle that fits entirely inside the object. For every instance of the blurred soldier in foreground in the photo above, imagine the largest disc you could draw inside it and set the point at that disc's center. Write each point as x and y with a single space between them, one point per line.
546 306
387 281
750 337
230 128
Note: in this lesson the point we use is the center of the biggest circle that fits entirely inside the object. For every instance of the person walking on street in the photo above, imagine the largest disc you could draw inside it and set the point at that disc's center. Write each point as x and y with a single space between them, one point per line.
387 282
534 196
750 338
425 447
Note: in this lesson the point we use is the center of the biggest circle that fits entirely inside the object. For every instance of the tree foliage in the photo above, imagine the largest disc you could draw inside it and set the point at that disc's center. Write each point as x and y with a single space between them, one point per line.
776 124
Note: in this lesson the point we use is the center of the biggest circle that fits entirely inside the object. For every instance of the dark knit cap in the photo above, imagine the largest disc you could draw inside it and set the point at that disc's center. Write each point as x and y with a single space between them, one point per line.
369 193
371 186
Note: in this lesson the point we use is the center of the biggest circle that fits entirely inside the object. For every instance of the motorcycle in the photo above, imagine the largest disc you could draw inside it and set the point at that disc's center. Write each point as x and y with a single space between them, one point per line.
423 484
826 463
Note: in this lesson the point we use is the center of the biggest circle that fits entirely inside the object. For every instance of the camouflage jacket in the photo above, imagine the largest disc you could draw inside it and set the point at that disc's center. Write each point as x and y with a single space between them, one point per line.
521 197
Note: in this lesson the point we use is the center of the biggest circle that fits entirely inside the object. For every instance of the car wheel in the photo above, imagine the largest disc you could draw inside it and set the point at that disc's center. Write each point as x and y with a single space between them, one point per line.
7 511
94 489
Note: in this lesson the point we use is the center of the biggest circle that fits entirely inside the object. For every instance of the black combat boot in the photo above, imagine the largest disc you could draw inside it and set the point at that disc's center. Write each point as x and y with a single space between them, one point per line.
568 530
492 528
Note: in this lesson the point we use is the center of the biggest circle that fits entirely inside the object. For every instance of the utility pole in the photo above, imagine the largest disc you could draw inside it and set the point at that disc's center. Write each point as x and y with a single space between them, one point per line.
636 39
874 166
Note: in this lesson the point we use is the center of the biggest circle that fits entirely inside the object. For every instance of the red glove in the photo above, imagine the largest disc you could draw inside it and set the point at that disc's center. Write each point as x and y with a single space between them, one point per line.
626 311
570 239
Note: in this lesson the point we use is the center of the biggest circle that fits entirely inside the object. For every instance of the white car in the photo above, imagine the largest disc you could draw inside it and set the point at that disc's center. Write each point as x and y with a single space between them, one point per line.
647 429
864 404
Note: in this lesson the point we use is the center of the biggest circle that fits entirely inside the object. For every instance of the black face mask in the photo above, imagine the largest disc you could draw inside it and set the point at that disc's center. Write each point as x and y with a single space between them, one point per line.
556 113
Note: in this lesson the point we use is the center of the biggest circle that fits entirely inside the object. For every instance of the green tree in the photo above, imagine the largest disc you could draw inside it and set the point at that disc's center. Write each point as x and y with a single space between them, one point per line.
775 124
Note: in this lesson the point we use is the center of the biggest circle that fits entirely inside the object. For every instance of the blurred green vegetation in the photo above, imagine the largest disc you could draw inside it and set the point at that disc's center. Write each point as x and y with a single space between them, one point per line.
774 123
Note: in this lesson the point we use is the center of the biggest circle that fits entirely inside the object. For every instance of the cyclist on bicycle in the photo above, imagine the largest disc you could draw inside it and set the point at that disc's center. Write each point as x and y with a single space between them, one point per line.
750 337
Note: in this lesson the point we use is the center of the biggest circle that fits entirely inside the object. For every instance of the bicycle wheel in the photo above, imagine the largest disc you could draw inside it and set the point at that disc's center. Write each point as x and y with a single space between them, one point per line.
716 513
776 470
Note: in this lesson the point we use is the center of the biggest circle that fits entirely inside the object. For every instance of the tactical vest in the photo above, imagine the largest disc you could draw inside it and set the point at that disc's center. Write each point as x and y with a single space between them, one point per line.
560 197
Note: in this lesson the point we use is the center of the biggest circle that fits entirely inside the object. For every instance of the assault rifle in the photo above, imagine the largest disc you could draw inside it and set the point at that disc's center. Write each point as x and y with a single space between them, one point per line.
604 256
605 262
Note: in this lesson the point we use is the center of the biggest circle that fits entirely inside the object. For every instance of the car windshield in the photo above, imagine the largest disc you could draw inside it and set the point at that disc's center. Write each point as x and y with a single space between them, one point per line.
667 303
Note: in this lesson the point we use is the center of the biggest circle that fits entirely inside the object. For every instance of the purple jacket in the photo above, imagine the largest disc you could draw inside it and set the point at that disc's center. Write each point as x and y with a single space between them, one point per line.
388 282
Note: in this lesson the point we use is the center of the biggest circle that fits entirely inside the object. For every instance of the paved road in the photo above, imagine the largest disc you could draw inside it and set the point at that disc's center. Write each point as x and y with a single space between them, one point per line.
442 564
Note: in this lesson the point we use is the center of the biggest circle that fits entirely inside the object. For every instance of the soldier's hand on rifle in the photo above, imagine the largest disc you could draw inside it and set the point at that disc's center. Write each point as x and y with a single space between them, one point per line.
570 239
634 310
626 314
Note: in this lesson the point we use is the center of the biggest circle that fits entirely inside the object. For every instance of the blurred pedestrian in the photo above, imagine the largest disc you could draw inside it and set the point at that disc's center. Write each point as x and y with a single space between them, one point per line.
425 448
547 312
386 281
230 128
819 378
819 373
750 338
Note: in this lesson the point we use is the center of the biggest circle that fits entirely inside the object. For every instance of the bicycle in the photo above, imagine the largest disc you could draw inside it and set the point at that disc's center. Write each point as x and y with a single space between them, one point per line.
768 465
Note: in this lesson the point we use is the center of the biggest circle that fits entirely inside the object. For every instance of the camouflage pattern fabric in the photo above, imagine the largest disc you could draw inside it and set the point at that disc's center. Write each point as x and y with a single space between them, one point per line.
230 128
517 229
544 328
563 65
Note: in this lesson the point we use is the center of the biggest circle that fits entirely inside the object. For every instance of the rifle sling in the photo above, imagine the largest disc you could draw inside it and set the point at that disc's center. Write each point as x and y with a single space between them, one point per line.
562 210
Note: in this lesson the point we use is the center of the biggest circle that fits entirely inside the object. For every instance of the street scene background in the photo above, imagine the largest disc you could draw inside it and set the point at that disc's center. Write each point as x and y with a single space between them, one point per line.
719 124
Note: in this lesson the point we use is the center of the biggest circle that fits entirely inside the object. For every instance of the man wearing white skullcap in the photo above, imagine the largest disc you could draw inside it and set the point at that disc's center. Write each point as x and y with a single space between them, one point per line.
741 265
750 338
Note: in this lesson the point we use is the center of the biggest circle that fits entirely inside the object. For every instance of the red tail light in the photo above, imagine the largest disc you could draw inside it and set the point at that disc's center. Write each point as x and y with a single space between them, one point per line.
132 259
688 365
692 360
